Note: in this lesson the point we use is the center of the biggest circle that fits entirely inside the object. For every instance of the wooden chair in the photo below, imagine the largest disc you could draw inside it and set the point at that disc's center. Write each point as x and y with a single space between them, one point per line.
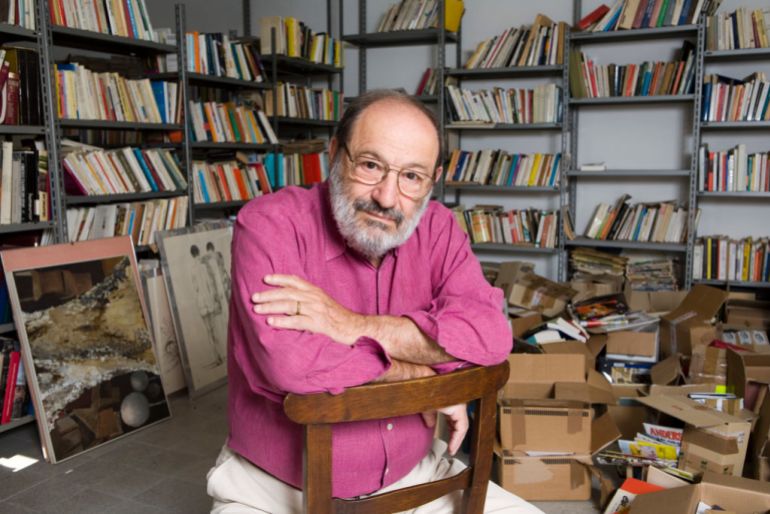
378 401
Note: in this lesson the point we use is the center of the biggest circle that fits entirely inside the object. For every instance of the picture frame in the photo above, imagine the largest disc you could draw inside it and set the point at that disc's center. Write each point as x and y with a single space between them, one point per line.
86 343
198 286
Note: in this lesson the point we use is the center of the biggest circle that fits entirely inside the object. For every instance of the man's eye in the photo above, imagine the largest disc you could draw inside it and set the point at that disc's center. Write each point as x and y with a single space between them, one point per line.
412 176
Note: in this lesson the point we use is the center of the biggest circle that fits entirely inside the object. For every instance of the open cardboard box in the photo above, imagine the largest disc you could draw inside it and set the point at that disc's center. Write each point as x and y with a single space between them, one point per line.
760 443
641 346
696 311
733 494
712 440
653 302
571 347
563 477
523 288
546 404
747 374
748 313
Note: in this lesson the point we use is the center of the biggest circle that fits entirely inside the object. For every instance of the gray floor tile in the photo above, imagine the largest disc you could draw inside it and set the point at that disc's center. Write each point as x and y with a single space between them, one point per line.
127 481
177 496
12 508
132 507
85 501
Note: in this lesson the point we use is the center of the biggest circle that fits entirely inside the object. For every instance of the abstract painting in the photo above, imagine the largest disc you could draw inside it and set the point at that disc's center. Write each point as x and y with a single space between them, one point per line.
196 268
86 343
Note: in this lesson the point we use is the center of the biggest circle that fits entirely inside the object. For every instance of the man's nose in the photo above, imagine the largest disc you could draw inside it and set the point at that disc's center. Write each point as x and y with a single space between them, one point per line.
386 192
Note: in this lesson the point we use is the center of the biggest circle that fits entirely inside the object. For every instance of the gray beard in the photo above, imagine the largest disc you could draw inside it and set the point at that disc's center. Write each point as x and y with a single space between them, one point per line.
370 245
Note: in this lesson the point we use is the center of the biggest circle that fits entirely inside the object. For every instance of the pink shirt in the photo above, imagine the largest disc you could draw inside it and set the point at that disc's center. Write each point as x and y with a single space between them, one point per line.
433 279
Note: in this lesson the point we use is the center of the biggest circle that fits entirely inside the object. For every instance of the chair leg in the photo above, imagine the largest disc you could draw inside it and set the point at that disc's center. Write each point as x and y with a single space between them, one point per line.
317 465
482 442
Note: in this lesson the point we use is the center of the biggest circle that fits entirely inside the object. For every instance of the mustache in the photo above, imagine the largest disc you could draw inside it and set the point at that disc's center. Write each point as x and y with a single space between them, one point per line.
373 207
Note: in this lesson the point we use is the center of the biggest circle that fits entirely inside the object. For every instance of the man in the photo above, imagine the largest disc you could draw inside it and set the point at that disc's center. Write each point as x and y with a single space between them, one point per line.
357 280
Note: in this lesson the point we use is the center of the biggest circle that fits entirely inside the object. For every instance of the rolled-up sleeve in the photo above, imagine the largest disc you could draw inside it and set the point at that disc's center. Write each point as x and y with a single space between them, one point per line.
277 361
466 315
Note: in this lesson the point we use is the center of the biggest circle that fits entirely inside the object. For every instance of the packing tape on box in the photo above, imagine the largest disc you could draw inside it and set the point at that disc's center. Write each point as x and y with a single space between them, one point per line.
577 474
518 426
574 421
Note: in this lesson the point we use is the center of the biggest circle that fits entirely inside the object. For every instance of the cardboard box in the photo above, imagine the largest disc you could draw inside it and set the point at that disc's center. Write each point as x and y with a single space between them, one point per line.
571 348
510 272
747 375
532 291
599 285
733 494
630 345
543 478
668 372
654 302
682 390
697 310
658 477
520 324
557 427
759 448
712 440
628 415
748 313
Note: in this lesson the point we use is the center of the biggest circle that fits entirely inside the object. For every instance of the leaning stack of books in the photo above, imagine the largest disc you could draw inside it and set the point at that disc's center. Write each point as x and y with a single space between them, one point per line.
214 54
428 85
591 80
652 274
733 170
24 185
296 101
228 181
742 28
640 14
295 39
500 168
722 258
516 106
230 123
729 99
410 15
126 18
540 44
20 100
493 224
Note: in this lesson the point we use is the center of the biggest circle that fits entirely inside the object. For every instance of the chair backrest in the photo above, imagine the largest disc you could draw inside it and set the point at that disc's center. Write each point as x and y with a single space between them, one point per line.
318 412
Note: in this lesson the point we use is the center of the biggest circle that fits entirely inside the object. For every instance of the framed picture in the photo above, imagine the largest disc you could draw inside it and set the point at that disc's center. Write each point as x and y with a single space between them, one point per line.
86 343
196 269
166 346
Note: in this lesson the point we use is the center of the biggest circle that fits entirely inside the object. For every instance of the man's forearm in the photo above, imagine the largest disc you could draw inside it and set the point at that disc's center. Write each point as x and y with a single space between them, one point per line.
403 340
400 370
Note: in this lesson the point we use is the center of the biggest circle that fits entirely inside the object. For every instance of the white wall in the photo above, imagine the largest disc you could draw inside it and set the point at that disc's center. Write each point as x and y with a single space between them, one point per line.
621 136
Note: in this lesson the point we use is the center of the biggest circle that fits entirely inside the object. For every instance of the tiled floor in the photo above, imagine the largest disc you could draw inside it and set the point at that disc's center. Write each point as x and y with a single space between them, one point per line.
159 470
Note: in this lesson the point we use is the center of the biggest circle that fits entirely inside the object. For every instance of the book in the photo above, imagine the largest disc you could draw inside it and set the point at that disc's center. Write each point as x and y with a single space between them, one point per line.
624 496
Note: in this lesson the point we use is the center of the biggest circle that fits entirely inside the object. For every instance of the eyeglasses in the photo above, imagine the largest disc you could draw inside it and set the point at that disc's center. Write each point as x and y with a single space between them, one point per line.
367 170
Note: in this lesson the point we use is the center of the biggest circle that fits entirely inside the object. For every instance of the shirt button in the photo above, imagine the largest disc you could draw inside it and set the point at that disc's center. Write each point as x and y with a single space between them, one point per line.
389 426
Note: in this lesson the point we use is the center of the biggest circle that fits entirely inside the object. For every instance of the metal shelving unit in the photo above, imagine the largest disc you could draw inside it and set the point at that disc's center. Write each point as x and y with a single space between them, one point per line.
473 188
107 43
22 130
398 37
76 200
201 79
730 284
505 73
15 228
735 125
116 125
513 249
504 126
219 205
569 197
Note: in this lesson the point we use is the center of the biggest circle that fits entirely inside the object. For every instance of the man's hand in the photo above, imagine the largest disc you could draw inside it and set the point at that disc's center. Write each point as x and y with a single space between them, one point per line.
457 419
306 307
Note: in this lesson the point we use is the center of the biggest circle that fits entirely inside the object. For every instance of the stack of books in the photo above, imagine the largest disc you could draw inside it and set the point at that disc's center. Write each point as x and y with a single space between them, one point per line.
86 95
493 224
733 170
295 39
228 181
500 168
428 85
214 54
742 28
640 14
591 80
658 445
126 18
722 258
95 171
140 220
410 15
19 12
653 274
587 262
296 101
538 45
517 106
657 222
20 86
230 123
24 185
729 99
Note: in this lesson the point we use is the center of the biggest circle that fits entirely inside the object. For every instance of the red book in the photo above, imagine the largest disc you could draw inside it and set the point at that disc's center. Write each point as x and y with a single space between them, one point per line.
153 172
592 17
264 183
10 386
637 24
423 80
239 181
226 193
127 17
71 183
311 168
10 100
63 13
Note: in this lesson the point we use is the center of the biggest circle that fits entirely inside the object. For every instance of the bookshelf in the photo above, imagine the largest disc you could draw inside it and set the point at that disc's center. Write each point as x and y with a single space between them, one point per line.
723 136
684 177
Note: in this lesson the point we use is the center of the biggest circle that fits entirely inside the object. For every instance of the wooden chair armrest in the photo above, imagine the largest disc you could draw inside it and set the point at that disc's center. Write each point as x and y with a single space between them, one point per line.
393 399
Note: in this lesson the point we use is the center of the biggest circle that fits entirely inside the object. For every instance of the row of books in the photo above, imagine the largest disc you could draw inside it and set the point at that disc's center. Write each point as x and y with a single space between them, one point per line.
733 170
500 168
410 15
295 39
657 222
295 101
24 185
723 258
140 220
591 80
428 85
228 181
729 99
215 54
231 123
742 28
86 95
540 105
19 12
127 18
540 44
20 100
13 384
493 224
94 171
639 14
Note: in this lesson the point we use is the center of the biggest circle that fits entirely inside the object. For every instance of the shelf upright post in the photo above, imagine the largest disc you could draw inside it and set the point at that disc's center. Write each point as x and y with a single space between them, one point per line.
51 120
441 65
340 32
566 161
362 48
696 140
274 78
184 88
246 16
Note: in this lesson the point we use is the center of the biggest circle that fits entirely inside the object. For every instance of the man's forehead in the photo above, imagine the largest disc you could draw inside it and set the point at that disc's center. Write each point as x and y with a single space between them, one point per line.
396 125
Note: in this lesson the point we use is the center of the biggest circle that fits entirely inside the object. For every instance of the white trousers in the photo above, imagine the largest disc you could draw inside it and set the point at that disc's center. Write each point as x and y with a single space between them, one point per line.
239 487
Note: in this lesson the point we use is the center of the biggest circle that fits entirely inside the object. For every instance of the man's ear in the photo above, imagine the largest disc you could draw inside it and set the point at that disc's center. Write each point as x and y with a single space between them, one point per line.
439 173
333 148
